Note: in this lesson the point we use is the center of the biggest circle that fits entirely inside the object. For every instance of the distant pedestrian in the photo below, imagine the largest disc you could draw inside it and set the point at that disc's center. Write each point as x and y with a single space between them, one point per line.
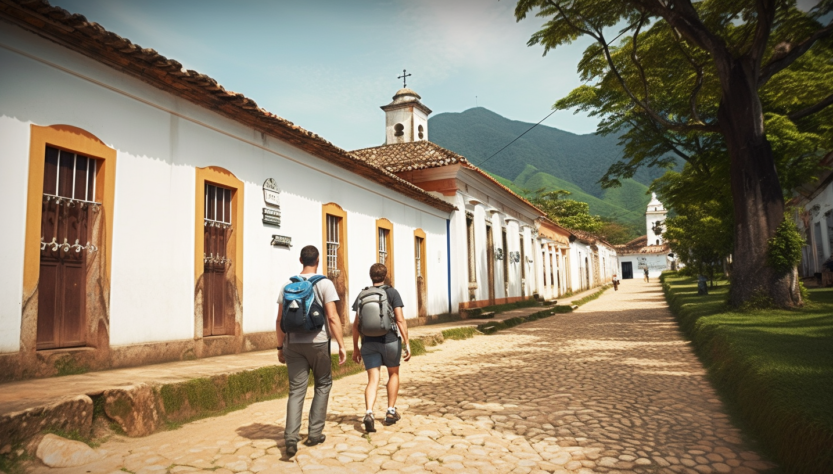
647 277
381 327
615 282
304 334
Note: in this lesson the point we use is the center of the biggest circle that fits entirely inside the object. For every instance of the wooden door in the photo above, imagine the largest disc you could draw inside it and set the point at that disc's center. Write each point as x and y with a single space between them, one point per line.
218 302
490 263
66 213
523 268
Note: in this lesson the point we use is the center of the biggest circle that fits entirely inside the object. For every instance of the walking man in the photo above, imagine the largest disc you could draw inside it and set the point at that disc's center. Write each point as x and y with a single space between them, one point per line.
647 277
615 282
302 351
377 351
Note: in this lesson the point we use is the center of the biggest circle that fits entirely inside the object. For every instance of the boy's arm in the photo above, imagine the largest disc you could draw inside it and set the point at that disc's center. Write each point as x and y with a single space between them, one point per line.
357 353
403 330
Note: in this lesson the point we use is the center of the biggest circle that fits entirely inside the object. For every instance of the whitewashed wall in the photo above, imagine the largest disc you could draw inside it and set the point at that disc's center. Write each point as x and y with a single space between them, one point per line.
657 263
160 140
14 143
818 207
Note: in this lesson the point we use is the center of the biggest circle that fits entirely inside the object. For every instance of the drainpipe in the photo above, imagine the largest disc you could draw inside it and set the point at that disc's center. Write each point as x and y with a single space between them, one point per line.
448 259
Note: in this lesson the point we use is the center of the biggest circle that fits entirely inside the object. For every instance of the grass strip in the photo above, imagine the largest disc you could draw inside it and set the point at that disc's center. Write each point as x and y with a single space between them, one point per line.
591 296
501 308
460 333
495 326
773 368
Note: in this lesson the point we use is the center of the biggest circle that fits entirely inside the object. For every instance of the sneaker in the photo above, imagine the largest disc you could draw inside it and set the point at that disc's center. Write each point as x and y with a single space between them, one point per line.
391 418
369 423
291 449
314 441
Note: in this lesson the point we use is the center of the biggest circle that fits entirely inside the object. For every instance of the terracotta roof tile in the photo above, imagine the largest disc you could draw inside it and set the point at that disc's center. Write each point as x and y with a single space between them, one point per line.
640 245
419 155
91 39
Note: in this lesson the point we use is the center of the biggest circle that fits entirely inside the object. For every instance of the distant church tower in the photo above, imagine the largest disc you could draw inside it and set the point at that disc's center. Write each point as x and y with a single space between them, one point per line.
655 220
406 118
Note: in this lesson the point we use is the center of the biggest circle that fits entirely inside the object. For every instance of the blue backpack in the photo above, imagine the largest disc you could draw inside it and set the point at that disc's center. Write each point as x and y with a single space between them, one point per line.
301 313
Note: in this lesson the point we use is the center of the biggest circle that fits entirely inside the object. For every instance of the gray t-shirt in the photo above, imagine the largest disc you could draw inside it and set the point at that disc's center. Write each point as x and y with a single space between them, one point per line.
325 292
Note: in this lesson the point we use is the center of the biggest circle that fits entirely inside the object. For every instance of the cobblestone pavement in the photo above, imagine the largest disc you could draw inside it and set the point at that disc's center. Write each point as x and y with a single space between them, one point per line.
611 387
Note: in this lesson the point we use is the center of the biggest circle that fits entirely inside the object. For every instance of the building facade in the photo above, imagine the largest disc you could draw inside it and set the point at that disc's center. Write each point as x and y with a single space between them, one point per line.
650 251
154 215
492 251
814 218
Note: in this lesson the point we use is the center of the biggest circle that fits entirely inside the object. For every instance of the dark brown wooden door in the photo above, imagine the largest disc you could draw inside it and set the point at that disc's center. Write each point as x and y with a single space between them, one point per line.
67 210
218 303
419 254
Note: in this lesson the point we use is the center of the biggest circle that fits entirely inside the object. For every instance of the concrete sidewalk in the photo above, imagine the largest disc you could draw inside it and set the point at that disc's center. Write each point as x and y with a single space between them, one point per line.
32 394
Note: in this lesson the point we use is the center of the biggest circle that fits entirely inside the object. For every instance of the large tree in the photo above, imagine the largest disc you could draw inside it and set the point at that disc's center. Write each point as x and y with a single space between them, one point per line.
700 81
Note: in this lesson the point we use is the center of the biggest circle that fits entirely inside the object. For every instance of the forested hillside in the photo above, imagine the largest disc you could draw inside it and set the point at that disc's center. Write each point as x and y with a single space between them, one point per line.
546 158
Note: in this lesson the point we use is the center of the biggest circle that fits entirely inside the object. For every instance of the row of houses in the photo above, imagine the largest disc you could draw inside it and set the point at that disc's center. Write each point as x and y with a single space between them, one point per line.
151 214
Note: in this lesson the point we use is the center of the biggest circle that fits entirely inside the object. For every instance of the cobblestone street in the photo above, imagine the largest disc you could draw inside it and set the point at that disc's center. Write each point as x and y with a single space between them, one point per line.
612 387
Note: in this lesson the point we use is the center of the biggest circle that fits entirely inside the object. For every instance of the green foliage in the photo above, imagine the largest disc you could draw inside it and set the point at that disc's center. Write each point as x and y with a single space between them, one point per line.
784 248
773 368
566 212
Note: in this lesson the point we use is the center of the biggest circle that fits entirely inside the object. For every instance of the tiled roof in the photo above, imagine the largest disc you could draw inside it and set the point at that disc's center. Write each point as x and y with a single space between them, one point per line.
640 245
91 39
419 155
589 237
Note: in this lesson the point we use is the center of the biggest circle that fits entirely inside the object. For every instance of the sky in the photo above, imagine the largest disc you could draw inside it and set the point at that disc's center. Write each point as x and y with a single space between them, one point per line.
329 65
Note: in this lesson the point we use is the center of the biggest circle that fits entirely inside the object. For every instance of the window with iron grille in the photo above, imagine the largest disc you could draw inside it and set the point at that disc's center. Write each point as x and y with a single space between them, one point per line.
333 241
418 255
383 246
217 223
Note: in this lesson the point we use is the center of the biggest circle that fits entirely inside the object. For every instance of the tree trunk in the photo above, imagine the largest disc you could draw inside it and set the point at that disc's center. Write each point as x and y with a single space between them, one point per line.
756 190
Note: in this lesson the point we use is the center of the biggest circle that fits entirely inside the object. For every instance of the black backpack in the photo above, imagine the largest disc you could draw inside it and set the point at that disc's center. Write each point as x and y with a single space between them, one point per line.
301 312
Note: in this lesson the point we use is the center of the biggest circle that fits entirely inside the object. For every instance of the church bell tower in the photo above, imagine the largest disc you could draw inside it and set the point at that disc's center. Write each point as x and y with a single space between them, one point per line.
406 118
655 221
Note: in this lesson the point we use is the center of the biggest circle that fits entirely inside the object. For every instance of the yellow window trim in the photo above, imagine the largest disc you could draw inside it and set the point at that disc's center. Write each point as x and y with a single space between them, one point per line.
75 140
221 177
387 225
333 209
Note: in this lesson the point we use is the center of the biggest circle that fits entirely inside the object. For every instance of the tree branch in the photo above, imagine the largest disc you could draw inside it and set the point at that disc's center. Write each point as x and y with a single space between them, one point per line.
800 114
698 69
766 16
789 52
635 58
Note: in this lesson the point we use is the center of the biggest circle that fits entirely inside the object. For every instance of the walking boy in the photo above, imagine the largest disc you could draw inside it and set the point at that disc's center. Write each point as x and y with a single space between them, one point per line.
302 351
377 351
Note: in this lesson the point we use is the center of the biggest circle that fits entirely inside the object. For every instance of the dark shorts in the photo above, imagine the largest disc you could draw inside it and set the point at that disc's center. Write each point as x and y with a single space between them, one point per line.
377 354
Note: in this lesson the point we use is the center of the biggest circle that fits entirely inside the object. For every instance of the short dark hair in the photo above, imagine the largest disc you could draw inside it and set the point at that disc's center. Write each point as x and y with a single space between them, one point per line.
378 272
309 255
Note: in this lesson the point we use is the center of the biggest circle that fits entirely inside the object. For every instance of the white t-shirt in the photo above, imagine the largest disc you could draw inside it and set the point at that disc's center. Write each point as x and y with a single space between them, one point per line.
325 292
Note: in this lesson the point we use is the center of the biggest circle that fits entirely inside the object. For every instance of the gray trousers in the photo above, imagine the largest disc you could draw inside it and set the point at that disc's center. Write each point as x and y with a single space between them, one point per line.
300 358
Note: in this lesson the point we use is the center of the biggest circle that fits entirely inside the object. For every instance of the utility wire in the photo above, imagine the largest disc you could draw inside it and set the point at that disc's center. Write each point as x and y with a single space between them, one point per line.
516 138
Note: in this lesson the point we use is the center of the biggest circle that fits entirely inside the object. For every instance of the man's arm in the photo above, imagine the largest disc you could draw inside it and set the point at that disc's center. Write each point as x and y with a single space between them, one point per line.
280 334
403 330
334 323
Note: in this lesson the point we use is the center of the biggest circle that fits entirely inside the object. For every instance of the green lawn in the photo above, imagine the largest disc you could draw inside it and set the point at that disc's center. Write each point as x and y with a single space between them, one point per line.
774 368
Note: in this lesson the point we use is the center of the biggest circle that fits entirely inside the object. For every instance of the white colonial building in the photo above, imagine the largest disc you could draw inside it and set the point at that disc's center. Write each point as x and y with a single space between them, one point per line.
492 251
152 215
650 251
814 217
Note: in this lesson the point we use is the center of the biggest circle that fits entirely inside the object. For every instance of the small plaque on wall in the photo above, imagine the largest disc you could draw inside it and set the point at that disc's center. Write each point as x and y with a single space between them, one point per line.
281 241
271 217
271 193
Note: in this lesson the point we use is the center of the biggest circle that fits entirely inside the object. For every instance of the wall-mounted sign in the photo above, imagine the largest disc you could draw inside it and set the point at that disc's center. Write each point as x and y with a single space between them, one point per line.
271 217
271 193
281 241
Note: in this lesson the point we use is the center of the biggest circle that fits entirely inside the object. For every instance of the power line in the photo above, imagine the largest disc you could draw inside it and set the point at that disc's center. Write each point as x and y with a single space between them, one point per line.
516 138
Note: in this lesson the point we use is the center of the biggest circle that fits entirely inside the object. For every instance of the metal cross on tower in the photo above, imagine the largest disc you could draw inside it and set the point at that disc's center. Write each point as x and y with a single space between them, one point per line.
404 77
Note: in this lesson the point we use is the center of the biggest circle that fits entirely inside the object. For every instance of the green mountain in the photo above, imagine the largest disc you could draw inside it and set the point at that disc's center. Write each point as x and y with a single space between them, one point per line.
545 157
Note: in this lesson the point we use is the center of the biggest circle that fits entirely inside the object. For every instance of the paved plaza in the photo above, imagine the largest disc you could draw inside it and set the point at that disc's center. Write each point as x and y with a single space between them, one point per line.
612 387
